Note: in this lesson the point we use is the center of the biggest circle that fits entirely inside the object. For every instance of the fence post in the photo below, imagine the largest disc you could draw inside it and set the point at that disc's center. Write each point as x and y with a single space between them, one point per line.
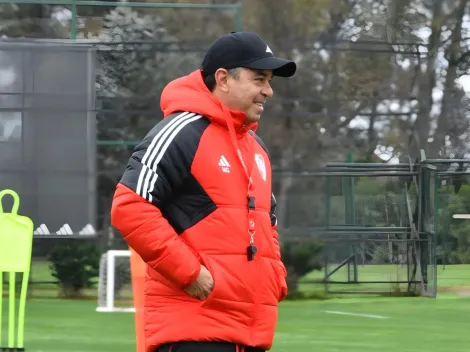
435 211
239 17
73 29
350 217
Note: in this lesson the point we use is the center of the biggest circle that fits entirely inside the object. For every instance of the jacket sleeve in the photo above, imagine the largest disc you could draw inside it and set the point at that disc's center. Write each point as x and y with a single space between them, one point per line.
282 268
158 166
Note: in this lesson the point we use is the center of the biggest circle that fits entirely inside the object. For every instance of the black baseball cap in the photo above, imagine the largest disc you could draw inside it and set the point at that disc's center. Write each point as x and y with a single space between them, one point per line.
244 49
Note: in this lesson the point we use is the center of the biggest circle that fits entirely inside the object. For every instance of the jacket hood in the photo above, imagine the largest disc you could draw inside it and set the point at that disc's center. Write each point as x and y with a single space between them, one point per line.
189 93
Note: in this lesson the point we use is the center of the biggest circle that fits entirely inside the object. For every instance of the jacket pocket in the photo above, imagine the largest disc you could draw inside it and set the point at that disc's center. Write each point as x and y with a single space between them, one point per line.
212 270
280 279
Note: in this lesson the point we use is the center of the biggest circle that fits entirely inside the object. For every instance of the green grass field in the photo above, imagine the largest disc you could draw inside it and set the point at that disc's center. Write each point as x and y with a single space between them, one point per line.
381 324
451 278
352 323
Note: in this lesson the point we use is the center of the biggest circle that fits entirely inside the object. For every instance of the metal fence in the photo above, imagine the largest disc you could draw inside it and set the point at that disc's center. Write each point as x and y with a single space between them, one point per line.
375 224
78 19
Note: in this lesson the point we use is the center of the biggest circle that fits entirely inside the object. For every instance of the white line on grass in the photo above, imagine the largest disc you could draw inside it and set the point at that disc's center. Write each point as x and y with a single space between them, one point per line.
356 314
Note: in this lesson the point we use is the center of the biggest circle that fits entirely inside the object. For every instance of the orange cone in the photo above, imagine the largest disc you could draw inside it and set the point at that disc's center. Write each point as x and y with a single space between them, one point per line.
138 272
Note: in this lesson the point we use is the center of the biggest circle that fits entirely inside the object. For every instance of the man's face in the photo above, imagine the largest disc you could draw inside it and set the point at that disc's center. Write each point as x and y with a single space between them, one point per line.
248 92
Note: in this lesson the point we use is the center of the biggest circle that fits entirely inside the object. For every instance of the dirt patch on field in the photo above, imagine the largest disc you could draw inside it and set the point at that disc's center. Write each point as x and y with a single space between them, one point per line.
463 290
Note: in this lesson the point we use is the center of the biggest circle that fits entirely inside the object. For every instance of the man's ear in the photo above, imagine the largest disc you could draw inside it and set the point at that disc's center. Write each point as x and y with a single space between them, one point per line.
221 78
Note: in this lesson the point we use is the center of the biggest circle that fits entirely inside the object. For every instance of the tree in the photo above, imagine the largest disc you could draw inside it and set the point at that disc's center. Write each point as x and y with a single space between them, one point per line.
428 79
452 119
366 84
137 57
31 21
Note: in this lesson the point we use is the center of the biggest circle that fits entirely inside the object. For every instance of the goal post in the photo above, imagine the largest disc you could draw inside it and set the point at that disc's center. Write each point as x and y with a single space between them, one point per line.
123 272
115 282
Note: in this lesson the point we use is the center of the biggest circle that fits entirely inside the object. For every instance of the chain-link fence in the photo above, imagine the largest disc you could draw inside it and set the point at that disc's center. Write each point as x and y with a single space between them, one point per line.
451 192
70 19
365 217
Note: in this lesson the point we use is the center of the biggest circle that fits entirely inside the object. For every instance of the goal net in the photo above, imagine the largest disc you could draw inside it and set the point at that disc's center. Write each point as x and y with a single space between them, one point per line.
115 283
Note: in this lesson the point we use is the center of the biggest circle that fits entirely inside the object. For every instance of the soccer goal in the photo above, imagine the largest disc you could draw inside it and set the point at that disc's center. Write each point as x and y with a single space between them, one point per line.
115 282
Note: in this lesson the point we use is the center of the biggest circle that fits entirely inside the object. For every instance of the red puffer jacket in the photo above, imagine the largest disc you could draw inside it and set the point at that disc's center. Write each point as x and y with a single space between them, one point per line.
182 202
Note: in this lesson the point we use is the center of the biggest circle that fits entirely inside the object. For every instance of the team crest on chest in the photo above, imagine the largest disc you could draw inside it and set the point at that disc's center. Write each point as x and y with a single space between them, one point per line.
259 159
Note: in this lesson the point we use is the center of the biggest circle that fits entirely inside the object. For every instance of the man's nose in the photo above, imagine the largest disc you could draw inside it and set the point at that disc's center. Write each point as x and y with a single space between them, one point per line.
267 91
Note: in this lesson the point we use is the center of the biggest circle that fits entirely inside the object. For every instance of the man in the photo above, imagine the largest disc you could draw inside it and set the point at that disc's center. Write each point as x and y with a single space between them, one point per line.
195 202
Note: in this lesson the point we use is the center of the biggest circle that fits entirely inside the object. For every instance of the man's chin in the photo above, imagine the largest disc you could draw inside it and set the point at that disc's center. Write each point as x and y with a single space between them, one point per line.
253 119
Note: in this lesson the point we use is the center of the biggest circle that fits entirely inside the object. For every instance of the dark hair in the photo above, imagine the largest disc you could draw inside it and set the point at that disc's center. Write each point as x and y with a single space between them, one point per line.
209 80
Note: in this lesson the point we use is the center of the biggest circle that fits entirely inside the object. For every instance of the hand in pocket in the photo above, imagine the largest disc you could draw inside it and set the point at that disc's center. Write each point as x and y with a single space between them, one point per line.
202 287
